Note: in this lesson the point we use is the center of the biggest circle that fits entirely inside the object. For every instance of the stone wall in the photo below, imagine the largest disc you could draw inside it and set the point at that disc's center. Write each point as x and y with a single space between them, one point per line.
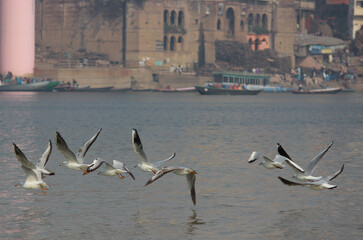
99 77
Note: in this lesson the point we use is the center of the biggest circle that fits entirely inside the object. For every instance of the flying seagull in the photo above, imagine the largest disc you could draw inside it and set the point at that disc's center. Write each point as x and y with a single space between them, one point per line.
40 166
75 161
323 183
33 179
111 170
145 164
268 162
306 175
188 172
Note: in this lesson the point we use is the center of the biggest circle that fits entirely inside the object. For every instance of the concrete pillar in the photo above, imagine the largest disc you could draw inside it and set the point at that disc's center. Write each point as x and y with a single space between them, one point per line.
17 39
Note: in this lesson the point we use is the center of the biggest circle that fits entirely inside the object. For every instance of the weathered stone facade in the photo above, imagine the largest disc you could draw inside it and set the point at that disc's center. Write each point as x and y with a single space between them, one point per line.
161 33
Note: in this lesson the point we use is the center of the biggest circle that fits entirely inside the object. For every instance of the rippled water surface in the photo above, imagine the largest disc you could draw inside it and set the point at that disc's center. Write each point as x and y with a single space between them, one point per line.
213 135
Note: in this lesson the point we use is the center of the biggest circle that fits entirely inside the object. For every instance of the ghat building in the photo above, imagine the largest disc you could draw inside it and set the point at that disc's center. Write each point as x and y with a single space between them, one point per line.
162 33
165 32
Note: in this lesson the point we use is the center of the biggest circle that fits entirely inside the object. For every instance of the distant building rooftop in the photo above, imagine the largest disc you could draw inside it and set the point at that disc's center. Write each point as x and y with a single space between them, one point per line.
308 39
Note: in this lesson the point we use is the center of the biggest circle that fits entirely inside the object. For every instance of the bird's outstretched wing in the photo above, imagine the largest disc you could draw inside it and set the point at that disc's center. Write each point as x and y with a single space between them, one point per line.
83 150
94 166
314 162
295 167
63 148
22 158
161 173
330 178
282 151
43 160
191 184
158 163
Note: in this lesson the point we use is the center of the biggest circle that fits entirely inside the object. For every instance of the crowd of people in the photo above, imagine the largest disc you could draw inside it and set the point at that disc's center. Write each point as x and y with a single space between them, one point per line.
9 79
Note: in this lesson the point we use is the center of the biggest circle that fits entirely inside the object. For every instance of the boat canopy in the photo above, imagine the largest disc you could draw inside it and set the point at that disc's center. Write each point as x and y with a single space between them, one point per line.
230 77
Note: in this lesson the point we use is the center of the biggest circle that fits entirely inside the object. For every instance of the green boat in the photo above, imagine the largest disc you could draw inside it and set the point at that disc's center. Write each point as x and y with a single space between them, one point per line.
43 86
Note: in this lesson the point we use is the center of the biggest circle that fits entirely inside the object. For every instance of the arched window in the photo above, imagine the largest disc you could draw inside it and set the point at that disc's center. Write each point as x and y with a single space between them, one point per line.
172 43
264 21
181 43
166 17
172 17
219 24
181 19
250 21
258 20
230 17
242 25
165 43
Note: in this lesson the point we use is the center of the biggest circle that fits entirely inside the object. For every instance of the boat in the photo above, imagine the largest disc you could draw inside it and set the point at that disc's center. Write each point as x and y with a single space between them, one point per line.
318 91
68 88
251 81
43 86
269 88
212 90
185 89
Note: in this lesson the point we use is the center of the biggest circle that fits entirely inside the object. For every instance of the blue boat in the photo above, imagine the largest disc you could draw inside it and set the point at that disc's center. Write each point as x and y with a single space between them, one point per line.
250 81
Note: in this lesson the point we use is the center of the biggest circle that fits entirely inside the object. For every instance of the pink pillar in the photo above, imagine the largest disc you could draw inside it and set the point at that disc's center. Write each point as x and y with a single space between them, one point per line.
17 36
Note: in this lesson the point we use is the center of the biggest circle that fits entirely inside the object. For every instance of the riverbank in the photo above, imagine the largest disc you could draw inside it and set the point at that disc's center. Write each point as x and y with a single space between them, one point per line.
145 78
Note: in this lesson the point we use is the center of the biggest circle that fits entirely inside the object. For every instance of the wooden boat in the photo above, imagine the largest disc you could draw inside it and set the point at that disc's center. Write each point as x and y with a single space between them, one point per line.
186 89
43 86
209 90
68 88
318 91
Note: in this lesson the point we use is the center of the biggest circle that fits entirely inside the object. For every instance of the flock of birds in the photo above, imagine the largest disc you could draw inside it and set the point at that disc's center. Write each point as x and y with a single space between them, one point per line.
304 176
35 173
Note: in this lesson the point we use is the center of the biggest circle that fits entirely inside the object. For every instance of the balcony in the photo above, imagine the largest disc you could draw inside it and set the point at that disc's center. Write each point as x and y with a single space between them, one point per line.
174 29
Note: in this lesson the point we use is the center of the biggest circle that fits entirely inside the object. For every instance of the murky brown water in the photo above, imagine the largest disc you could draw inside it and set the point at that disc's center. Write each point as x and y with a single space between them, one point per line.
212 134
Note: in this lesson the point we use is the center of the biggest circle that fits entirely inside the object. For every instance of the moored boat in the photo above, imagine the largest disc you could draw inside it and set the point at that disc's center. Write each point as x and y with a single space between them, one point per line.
269 88
318 91
68 88
185 89
43 86
211 90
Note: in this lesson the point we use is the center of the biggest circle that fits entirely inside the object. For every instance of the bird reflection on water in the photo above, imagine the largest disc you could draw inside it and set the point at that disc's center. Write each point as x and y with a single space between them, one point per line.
194 221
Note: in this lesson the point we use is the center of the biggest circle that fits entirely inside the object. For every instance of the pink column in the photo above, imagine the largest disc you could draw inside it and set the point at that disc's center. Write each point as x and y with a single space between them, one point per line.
17 39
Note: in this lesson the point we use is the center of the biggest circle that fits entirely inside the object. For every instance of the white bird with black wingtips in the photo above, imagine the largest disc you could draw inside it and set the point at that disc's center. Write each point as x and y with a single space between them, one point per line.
117 169
306 175
145 164
323 183
75 161
182 171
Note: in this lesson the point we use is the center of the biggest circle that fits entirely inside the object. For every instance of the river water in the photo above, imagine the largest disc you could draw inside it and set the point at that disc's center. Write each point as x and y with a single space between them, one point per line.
213 135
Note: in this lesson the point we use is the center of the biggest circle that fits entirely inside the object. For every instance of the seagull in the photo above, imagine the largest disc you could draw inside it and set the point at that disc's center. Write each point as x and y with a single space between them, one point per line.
188 172
73 161
145 164
321 184
268 162
40 166
306 175
33 179
111 170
